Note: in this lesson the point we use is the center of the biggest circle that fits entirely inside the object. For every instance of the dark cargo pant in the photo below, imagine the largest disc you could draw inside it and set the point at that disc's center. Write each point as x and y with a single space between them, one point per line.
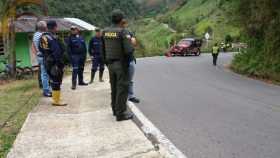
78 64
56 75
215 58
55 72
119 86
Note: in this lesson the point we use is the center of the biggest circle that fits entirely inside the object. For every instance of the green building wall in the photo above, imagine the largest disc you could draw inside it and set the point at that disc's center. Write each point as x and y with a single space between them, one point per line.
23 49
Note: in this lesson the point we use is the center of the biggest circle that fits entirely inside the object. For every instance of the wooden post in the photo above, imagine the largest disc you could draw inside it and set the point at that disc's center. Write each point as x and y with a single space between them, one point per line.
12 44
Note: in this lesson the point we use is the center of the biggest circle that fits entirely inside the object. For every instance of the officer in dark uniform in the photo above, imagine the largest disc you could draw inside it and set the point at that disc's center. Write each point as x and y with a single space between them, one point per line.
95 45
116 50
77 51
53 50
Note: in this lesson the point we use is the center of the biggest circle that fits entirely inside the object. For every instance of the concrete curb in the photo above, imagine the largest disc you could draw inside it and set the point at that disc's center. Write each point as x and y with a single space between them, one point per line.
161 143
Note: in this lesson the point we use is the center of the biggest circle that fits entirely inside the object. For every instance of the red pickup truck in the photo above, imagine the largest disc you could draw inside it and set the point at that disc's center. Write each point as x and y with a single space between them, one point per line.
187 46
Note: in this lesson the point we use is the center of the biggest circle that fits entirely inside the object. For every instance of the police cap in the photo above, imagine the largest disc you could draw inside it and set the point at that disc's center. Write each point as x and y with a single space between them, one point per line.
73 27
51 24
117 16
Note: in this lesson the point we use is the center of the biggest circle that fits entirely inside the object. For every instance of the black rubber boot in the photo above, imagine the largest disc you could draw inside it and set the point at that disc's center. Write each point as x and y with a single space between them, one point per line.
81 77
74 85
74 80
101 76
124 116
92 76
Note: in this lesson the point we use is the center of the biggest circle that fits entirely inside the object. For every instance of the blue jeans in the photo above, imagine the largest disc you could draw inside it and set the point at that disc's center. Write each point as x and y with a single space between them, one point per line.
131 72
44 76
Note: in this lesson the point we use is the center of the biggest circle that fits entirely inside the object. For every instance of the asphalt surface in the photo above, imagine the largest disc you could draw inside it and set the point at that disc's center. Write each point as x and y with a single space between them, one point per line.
207 111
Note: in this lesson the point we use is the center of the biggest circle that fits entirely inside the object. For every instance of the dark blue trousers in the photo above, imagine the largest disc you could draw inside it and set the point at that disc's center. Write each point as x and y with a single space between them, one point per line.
78 63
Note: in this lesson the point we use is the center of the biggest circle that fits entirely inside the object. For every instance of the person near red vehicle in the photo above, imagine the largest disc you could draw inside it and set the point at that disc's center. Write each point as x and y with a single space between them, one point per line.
215 53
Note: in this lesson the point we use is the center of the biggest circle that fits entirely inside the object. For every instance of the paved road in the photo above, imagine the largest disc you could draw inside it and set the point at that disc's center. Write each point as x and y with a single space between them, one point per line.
209 112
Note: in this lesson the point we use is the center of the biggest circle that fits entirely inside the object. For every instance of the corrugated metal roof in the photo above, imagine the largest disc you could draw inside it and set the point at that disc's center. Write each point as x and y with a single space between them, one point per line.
28 23
82 23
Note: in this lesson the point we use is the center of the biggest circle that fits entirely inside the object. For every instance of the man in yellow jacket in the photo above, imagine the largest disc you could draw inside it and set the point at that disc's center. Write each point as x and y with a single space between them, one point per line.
215 53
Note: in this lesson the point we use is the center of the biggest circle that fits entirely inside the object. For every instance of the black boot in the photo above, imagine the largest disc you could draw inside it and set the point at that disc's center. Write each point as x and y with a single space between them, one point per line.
74 85
134 100
81 78
74 80
124 116
101 76
92 76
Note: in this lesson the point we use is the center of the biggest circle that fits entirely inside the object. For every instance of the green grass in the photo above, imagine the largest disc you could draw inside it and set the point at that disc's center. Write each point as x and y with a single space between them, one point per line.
154 37
17 99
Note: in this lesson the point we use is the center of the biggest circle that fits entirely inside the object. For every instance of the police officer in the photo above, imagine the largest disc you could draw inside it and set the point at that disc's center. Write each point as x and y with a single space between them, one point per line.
215 53
77 51
116 49
53 50
95 45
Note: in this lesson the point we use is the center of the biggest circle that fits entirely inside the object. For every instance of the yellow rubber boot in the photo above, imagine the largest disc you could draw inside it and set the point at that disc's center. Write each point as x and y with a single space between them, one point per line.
56 99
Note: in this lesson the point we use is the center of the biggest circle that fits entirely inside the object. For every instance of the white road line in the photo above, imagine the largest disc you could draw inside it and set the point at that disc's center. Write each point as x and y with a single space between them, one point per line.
150 130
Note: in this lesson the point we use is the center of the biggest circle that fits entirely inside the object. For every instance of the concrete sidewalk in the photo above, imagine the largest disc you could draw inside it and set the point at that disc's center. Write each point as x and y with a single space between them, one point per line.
83 129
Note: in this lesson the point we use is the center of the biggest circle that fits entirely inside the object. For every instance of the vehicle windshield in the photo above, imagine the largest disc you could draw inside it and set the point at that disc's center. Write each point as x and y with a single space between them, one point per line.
184 42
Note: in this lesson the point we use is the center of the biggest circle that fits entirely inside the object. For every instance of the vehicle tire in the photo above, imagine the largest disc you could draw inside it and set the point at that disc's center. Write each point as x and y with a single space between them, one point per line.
198 53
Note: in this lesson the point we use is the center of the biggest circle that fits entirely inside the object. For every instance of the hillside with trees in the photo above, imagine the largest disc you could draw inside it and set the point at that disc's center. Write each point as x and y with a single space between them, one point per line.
191 18
96 12
260 21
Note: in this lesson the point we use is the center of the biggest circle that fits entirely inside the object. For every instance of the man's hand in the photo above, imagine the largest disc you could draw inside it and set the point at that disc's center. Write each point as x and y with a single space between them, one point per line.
134 41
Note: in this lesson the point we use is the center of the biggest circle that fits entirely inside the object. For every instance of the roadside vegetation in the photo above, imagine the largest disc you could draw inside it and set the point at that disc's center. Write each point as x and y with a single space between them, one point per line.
260 22
153 37
17 99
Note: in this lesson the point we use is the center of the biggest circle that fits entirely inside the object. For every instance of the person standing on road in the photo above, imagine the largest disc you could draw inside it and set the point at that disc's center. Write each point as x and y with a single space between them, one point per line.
116 49
77 51
95 45
53 50
132 64
41 28
215 53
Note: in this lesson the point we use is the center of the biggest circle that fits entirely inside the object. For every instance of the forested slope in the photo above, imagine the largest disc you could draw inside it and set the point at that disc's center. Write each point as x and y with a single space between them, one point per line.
260 21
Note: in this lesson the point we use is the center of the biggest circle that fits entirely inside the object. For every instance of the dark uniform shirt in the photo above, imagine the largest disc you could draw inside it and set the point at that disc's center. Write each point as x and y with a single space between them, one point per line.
51 46
76 45
95 47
